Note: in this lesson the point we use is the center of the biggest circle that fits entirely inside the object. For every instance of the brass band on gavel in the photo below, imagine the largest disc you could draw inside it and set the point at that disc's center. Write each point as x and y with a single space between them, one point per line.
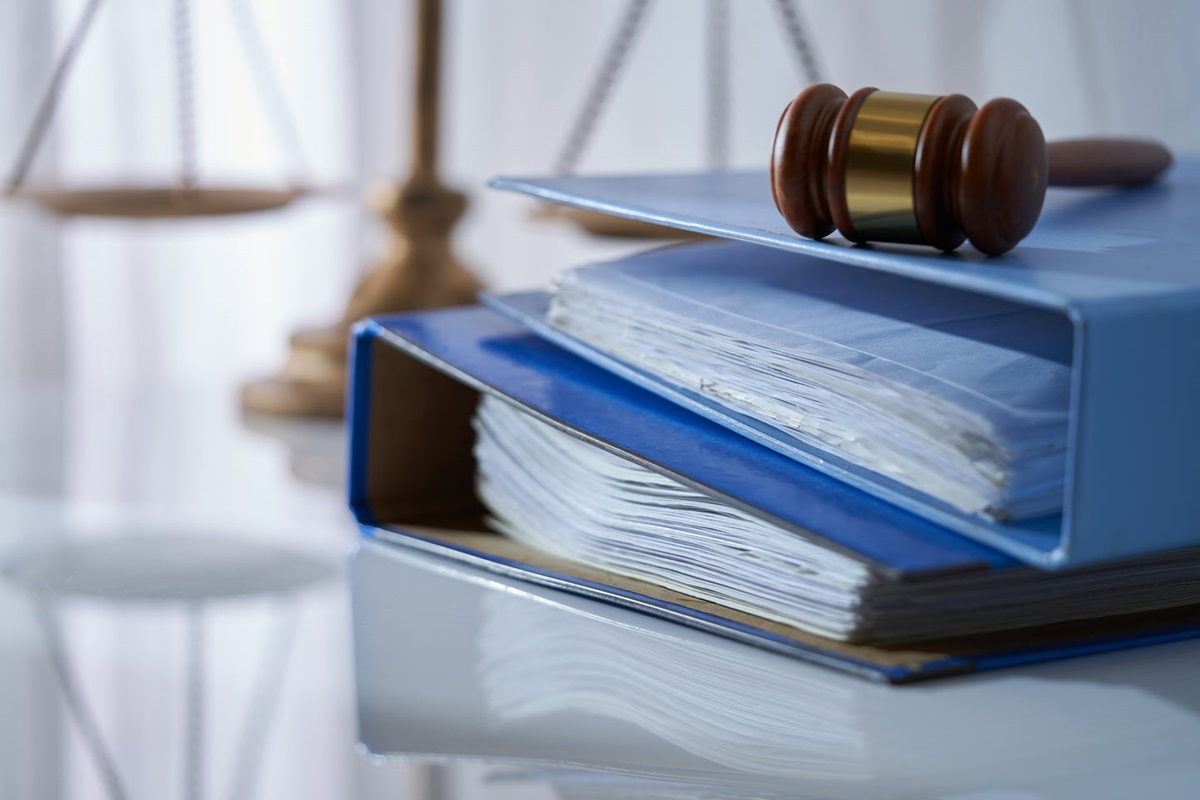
881 152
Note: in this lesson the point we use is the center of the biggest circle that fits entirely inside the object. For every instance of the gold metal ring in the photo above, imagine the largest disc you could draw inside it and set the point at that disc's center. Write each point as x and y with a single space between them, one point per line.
879 166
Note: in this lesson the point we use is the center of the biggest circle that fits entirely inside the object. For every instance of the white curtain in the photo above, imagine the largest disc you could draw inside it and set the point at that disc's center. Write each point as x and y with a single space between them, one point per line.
195 299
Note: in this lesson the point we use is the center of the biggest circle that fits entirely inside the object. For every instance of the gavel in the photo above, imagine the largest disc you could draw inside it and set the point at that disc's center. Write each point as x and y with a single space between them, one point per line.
935 170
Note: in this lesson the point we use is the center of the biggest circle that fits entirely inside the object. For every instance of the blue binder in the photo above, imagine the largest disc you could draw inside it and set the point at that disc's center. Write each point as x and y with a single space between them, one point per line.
1123 266
416 377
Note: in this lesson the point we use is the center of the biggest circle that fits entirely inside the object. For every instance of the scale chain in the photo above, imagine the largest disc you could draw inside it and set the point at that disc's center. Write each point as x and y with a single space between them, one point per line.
615 58
718 84
795 29
45 111
185 93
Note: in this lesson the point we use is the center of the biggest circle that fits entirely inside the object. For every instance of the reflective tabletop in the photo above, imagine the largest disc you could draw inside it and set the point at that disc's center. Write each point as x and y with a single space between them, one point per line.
187 610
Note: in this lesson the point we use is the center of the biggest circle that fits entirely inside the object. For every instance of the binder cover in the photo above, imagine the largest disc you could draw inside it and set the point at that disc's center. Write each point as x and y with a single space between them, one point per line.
416 379
1122 265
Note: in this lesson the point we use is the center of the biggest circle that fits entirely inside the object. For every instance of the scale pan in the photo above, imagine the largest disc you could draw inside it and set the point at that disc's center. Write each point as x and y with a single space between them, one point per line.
154 202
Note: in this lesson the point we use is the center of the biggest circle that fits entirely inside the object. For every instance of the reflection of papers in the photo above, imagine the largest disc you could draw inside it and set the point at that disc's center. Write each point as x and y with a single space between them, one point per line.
957 395
1072 727
752 715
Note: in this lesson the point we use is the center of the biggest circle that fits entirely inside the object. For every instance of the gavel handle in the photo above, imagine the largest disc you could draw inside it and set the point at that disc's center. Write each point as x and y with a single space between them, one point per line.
1105 162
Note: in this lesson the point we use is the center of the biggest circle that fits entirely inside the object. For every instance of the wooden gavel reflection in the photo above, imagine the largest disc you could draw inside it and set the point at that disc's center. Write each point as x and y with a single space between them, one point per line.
921 169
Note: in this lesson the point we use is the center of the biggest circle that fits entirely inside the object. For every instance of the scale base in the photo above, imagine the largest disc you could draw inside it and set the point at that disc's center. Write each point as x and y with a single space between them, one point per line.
419 272
312 382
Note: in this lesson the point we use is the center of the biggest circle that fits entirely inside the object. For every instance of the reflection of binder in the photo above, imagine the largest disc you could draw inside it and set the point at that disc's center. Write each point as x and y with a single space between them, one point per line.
1116 267
452 660
415 383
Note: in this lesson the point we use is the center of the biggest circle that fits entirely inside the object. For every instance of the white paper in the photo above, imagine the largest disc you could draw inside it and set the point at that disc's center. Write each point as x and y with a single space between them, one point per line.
564 496
961 396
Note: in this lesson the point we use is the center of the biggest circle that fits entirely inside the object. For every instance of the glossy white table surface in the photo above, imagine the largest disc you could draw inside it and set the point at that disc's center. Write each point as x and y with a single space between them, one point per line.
185 611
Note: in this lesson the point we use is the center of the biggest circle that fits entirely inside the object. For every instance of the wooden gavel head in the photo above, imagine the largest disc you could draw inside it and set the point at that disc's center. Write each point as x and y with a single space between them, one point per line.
921 169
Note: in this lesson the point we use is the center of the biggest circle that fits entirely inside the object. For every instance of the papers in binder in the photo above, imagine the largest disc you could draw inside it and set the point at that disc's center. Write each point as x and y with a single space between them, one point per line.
561 495
558 494
961 396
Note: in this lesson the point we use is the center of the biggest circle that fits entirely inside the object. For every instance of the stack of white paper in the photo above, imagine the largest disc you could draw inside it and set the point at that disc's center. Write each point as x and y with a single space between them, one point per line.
561 495
959 396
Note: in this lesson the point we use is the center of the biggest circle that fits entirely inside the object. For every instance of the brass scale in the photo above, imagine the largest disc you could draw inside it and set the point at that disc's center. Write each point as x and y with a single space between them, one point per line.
420 273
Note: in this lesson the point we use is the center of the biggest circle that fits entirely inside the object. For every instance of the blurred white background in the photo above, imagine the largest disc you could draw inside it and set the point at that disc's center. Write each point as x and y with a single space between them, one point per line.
151 326
103 300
